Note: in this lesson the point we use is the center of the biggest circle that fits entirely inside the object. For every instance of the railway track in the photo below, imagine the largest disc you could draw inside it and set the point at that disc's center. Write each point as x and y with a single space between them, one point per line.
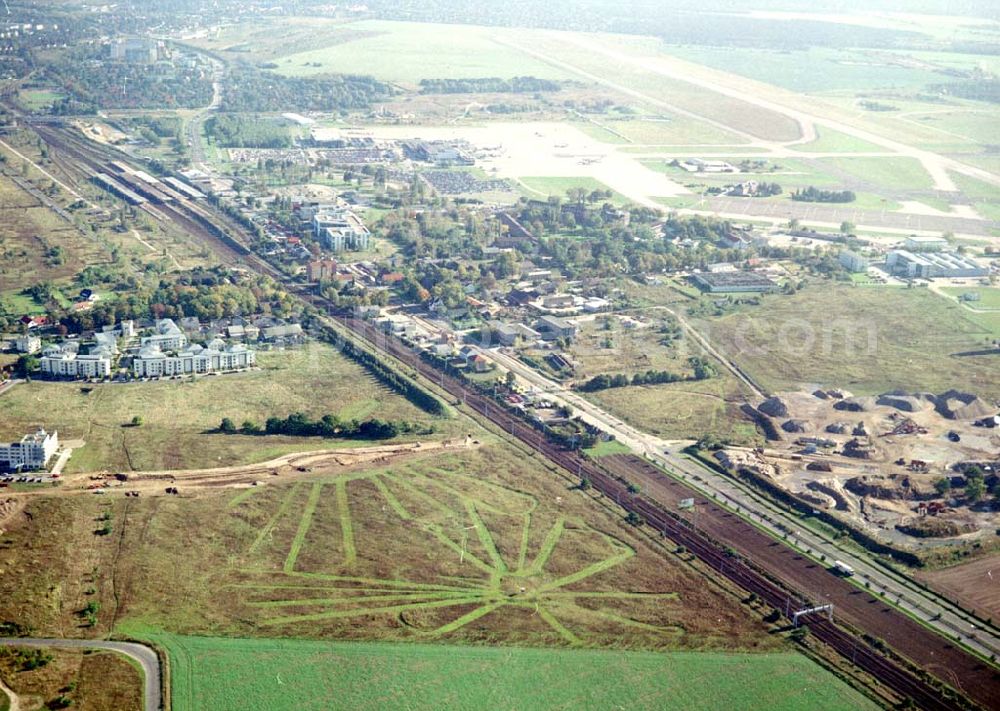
205 223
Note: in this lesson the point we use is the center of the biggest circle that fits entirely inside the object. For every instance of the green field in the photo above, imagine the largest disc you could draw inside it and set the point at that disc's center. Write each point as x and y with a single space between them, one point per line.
864 340
989 297
830 141
228 674
179 414
38 99
408 52
829 69
896 173
541 188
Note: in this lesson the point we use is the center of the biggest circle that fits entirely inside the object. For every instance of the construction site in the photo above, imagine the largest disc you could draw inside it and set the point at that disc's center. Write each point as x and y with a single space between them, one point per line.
910 470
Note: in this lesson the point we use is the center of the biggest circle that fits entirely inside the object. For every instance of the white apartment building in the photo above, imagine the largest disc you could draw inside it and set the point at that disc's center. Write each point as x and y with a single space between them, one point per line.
167 336
339 229
65 362
28 344
152 362
32 452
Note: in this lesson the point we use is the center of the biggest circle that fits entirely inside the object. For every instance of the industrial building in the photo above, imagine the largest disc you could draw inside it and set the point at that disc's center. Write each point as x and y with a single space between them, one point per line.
733 282
933 265
922 243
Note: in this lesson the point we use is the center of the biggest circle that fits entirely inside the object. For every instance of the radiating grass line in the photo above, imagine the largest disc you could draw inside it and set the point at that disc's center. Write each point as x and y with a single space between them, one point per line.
463 554
614 595
466 619
522 553
346 525
282 508
426 497
391 499
486 539
304 523
339 614
330 601
662 629
587 572
243 496
548 545
375 581
558 626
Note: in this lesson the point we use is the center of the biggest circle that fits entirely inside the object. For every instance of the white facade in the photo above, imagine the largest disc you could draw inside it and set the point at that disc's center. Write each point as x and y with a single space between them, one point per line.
152 362
921 243
67 363
933 265
852 261
32 452
340 229
167 336
28 344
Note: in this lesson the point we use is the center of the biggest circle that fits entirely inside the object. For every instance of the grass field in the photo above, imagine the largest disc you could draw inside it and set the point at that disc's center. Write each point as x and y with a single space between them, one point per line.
831 141
865 340
895 174
828 69
541 187
305 675
90 679
408 52
483 546
37 99
989 297
648 130
178 414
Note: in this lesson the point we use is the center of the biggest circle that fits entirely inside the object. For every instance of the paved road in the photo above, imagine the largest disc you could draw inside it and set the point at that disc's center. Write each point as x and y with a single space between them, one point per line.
928 607
142 654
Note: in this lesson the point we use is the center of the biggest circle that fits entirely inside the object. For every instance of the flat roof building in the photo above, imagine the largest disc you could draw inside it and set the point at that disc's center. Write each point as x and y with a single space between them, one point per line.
733 282
925 243
933 265
32 451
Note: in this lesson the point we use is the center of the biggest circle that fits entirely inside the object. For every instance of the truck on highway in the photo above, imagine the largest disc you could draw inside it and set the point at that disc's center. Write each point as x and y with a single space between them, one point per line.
843 568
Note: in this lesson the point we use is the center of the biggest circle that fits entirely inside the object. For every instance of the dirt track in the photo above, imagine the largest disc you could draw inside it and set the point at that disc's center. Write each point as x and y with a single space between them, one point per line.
857 607
284 468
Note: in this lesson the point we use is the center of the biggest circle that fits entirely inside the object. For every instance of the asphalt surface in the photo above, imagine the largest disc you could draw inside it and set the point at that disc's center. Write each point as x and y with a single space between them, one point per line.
146 657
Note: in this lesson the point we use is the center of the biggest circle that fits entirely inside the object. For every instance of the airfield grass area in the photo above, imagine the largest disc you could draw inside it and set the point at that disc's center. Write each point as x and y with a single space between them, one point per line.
542 187
304 675
92 680
830 70
408 52
895 174
179 415
829 140
864 340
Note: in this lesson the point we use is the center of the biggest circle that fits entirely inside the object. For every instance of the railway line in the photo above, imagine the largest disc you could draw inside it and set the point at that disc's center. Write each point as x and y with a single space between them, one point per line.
743 571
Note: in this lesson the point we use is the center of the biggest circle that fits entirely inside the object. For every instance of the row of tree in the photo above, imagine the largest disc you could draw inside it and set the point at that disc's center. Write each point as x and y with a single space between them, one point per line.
488 85
702 370
252 131
813 194
300 425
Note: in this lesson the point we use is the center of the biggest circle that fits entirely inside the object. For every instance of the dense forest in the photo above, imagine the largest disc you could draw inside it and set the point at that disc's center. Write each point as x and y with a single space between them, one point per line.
251 131
249 89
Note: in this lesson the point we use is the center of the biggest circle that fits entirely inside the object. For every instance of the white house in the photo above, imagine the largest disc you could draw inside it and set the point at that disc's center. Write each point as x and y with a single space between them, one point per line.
33 451
166 336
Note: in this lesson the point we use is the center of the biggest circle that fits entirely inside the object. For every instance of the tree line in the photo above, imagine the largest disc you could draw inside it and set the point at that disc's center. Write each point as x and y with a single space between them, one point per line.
329 426
702 371
248 89
813 194
488 85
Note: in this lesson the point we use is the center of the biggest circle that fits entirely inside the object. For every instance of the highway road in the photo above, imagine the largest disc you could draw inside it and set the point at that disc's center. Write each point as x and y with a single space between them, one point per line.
143 655
921 604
